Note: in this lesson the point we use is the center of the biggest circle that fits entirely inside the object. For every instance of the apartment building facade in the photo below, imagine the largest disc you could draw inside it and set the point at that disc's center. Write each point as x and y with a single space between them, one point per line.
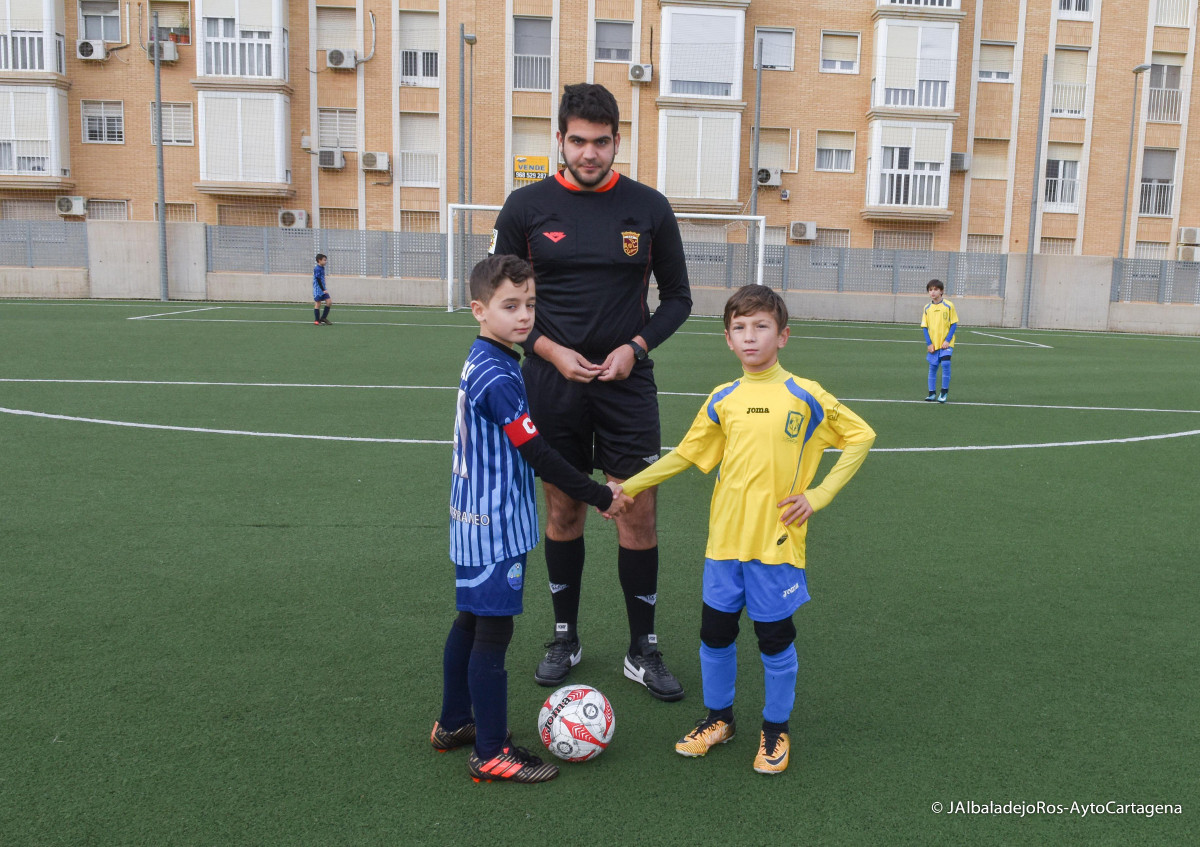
914 124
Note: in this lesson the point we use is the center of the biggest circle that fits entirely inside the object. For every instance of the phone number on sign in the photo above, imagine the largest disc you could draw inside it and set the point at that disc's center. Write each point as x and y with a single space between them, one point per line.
1112 807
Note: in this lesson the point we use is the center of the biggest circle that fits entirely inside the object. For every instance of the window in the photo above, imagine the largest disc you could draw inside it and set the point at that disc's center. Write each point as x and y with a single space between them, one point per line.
839 52
916 63
989 159
336 129
614 41
1158 182
778 46
532 137
910 165
625 128
413 220
103 122
25 121
1070 83
27 51
230 50
1173 12
419 58
101 20
420 141
835 151
1163 97
1077 9
901 239
699 154
177 118
1062 177
1057 246
107 210
178 212
243 137
1150 250
531 54
336 29
28 210
839 238
702 51
977 243
996 62
332 218
775 148
174 22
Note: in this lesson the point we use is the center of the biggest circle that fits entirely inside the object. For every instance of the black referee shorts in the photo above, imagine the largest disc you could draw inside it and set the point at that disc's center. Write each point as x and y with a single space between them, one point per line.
612 426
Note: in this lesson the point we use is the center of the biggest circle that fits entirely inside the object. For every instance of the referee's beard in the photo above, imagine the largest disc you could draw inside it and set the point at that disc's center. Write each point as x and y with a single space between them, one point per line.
585 183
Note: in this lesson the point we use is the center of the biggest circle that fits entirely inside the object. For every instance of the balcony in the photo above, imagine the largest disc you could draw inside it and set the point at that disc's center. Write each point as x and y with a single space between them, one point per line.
1163 105
1062 194
417 169
905 188
531 73
1068 99
1156 198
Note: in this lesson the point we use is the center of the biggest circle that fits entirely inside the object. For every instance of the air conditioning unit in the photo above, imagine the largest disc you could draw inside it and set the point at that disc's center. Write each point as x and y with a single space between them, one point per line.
802 230
293 218
69 206
770 176
332 159
1189 235
375 162
641 73
960 163
91 51
341 59
1189 253
168 51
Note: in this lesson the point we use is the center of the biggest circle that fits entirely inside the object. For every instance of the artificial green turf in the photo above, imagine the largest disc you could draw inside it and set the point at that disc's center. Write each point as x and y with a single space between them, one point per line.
211 639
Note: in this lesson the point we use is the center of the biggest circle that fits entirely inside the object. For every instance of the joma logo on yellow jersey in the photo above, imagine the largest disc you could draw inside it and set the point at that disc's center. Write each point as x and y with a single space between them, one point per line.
757 410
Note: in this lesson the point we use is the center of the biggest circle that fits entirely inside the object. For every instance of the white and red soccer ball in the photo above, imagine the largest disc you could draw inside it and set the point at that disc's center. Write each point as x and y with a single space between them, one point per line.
576 723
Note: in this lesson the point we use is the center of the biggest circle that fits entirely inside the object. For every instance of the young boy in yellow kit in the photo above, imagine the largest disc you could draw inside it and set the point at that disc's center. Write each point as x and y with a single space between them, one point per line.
766 431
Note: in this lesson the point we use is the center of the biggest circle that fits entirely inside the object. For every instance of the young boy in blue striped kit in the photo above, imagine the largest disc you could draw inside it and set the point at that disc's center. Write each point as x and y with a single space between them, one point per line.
766 431
494 524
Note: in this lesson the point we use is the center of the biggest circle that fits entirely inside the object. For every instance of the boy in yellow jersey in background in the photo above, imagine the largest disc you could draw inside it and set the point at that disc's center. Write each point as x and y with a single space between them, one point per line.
939 322
766 431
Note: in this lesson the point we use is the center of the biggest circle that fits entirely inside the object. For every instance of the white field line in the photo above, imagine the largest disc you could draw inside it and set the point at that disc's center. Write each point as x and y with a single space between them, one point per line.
180 312
1013 340
303 322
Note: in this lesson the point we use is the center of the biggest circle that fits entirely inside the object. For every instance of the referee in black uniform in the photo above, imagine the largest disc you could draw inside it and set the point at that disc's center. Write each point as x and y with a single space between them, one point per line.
594 237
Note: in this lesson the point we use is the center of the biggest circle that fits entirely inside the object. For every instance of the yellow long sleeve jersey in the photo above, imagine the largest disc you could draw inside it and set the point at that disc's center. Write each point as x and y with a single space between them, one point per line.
767 432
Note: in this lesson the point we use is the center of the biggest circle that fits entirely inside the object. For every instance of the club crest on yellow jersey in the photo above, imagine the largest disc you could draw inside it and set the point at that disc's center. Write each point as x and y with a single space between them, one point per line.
794 425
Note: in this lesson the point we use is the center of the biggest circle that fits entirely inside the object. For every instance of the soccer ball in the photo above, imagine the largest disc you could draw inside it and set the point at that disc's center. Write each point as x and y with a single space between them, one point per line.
576 723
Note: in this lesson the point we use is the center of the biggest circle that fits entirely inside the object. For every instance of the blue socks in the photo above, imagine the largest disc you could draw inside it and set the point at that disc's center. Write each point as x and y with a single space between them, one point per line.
488 682
933 370
718 672
779 677
456 696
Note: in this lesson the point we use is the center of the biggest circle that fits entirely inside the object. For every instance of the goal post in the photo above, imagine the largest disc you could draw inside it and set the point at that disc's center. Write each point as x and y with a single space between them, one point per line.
722 251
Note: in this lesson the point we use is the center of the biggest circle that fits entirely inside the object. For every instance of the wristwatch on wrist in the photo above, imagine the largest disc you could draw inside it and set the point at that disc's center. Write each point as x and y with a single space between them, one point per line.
639 352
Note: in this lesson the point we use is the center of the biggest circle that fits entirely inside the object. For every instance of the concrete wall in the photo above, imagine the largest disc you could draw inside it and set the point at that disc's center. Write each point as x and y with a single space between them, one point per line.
1068 292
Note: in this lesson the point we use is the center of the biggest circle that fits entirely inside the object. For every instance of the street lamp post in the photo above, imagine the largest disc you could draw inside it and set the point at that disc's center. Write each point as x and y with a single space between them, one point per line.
1137 72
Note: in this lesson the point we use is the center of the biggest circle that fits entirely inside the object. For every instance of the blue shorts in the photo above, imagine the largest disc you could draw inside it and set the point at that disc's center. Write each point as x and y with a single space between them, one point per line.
939 356
317 298
766 592
493 589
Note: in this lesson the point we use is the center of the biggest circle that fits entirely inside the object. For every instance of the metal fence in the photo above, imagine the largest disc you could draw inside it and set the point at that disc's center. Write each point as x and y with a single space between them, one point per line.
351 252
43 244
1156 281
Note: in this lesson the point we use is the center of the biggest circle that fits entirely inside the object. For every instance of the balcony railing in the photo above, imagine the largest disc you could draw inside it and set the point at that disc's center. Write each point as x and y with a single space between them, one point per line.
1069 98
1172 12
1156 198
418 168
1163 105
905 188
24 157
929 4
531 73
1062 194
248 53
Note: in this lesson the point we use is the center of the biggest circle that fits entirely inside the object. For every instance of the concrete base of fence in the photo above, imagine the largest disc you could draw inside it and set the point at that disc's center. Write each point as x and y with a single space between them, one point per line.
57 283
358 290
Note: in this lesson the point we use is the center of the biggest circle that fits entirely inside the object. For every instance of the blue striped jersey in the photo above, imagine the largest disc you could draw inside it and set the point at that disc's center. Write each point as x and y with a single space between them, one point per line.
493 512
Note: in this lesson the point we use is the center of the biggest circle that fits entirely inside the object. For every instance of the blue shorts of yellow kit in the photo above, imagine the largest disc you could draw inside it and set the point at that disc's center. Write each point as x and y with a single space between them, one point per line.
766 592
493 589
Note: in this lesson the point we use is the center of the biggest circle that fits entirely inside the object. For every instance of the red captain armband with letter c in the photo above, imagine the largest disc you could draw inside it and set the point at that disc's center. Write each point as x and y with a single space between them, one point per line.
520 430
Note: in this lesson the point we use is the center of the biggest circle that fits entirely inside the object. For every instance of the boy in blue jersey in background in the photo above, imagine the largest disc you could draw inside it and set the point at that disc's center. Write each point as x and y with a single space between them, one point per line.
320 295
766 431
494 524
939 322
